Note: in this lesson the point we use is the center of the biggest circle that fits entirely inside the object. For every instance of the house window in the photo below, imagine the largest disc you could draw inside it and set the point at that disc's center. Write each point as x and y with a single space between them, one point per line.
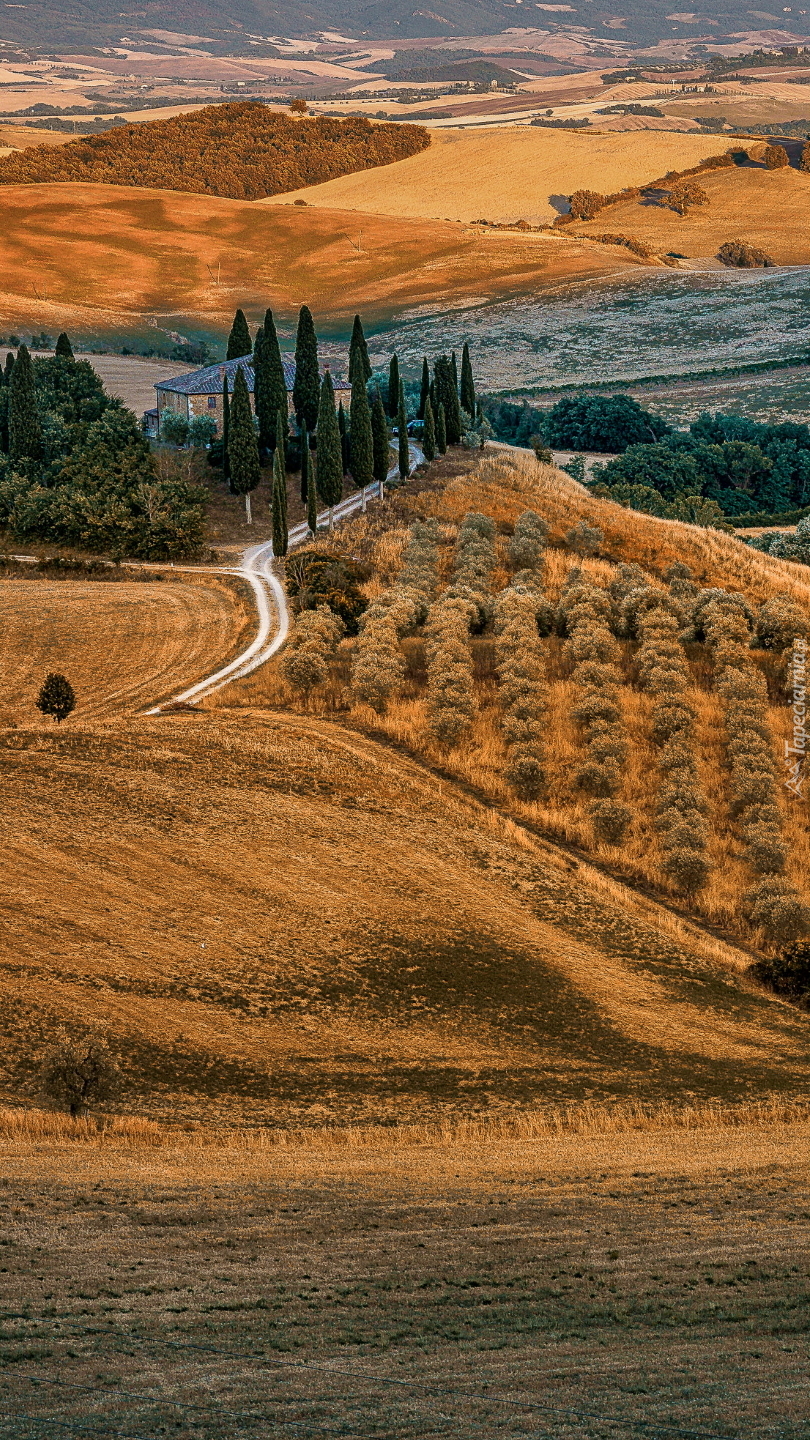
212 402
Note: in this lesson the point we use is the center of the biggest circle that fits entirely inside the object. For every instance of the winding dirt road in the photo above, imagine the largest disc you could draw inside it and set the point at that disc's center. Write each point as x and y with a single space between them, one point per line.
271 602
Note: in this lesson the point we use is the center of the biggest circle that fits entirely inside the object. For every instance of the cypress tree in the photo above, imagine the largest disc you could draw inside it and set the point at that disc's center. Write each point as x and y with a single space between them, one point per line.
424 391
280 535
265 415
381 450
330 464
3 417
311 495
429 432
441 432
402 435
467 382
226 429
306 463
358 347
239 338
275 379
243 449
344 439
24 434
64 349
307 389
454 368
362 444
447 396
9 365
393 386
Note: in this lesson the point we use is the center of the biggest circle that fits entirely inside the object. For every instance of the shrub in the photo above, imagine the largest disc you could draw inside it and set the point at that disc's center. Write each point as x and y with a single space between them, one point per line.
684 197
526 546
585 204
787 974
779 622
775 157
610 820
688 869
599 778
774 906
522 691
767 851
585 539
314 639
173 428
738 254
80 1070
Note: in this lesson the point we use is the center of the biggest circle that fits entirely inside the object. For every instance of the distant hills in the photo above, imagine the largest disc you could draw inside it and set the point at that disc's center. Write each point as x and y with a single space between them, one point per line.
629 26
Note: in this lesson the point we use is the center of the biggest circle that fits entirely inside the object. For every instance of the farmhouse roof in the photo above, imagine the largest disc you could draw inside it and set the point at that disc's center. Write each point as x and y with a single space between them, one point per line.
209 380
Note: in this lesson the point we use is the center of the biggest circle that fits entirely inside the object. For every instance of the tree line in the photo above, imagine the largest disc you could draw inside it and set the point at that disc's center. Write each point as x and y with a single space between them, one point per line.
243 151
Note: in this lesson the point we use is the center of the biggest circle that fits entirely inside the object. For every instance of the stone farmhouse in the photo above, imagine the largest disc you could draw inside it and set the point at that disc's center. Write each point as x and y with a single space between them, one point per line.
200 393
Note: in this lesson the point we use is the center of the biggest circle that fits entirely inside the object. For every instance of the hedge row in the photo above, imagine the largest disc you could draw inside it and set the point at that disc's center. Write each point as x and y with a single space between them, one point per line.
465 605
310 647
521 616
378 666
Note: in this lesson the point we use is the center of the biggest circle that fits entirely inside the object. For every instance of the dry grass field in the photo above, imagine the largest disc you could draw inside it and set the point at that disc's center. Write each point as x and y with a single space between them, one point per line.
88 255
502 486
768 208
580 1288
507 174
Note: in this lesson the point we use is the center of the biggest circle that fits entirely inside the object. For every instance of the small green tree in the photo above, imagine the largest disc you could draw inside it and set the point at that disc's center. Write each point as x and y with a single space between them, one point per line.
201 431
379 436
173 428
329 459
393 386
362 443
79 1070
403 448
424 389
239 338
467 382
441 432
280 535
307 387
64 349
25 434
359 349
429 432
243 448
56 697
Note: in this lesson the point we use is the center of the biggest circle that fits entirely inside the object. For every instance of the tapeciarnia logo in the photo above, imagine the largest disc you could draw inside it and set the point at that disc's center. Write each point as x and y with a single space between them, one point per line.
796 747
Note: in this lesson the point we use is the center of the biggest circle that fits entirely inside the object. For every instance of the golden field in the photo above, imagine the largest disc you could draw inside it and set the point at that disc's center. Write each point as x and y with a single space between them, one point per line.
95 254
768 208
507 174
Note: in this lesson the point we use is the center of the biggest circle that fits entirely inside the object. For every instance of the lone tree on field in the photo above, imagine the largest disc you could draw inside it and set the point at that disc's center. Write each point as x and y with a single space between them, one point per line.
402 436
64 349
24 433
280 536
467 383
239 338
361 455
682 198
585 204
243 449
329 458
379 436
306 391
393 386
775 157
359 348
298 106
57 697
79 1070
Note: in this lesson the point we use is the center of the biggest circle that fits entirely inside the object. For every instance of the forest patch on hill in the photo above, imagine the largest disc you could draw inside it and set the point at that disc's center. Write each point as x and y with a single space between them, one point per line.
241 151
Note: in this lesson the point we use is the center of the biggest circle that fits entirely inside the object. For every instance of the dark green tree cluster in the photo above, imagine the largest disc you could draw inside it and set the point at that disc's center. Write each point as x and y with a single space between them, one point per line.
601 423
76 470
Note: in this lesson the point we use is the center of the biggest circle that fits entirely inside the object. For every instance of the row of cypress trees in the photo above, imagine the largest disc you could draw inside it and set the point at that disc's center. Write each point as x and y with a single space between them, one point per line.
20 430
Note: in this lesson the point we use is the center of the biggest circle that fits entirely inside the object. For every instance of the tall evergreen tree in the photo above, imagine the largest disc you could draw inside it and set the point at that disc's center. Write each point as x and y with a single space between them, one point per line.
344 439
403 447
329 459
441 432
359 348
447 396
312 494
280 535
467 382
424 391
64 349
306 463
265 415
362 443
307 389
9 365
24 433
381 450
226 429
276 381
429 432
454 367
239 338
393 386
243 447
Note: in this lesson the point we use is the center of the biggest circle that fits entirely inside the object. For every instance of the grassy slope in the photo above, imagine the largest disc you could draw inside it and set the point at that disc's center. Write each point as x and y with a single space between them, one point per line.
506 174
107 254
768 208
